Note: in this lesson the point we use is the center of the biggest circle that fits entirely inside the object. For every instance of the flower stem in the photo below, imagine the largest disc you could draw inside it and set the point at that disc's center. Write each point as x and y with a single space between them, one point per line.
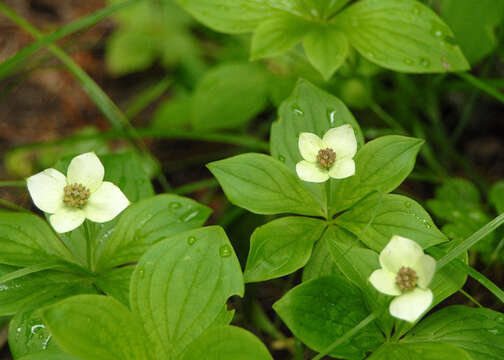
348 335
90 246
328 197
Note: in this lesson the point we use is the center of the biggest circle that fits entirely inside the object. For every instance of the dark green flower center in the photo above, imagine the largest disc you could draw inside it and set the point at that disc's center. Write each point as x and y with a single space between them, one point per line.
326 158
76 195
406 279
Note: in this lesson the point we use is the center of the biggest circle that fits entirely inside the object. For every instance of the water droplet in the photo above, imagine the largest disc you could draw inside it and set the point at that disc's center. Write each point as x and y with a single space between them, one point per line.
417 10
297 111
281 158
408 204
225 251
425 62
331 115
426 224
437 32
408 62
141 273
191 240
371 55
175 205
35 328
191 215
493 331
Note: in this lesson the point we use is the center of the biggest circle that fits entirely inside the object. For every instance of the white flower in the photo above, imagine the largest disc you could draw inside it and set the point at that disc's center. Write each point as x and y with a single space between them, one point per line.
331 156
81 195
406 272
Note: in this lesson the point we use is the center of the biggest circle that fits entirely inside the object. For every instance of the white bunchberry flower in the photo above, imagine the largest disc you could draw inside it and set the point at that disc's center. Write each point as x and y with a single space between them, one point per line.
81 195
329 157
406 272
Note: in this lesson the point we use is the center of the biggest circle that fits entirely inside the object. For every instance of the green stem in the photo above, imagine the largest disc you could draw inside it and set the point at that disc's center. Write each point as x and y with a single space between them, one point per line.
195 186
482 279
328 197
13 183
237 140
348 335
146 97
483 86
387 119
12 206
9 64
90 246
470 241
469 296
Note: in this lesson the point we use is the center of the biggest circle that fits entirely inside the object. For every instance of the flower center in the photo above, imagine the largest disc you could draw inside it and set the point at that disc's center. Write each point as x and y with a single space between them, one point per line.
326 158
76 195
406 279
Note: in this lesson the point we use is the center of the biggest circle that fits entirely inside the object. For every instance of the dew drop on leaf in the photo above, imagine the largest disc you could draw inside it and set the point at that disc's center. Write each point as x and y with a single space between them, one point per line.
175 205
225 251
297 111
141 273
191 240
331 115
407 204
425 62
408 62
281 158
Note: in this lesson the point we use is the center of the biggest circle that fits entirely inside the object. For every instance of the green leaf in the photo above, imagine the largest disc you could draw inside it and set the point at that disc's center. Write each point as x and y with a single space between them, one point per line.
94 327
323 9
229 96
357 264
321 262
147 222
480 332
321 310
49 355
378 217
227 343
37 288
278 35
427 351
28 334
308 109
199 271
401 35
116 283
236 16
263 185
474 24
129 51
381 165
173 114
281 247
496 196
327 48
26 240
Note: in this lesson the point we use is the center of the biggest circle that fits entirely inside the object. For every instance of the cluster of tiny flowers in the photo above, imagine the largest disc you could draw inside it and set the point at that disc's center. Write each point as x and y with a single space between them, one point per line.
326 158
406 279
76 195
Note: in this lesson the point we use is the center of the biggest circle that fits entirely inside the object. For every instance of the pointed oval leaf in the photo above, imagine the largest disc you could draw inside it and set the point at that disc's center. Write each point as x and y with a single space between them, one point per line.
147 222
181 285
263 185
324 309
401 35
227 343
281 247
94 327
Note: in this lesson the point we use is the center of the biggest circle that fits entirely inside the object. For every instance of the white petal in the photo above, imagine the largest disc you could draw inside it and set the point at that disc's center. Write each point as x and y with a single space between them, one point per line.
106 203
86 169
46 190
411 305
67 219
400 252
342 168
384 281
310 145
425 269
342 140
311 172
